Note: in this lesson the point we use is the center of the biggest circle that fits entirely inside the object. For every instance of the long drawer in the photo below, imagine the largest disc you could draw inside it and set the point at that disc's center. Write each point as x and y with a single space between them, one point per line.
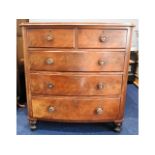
75 84
76 61
75 108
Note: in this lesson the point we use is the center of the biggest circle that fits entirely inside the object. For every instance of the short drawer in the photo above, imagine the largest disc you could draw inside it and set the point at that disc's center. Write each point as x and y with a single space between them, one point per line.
75 84
102 38
77 61
75 108
61 38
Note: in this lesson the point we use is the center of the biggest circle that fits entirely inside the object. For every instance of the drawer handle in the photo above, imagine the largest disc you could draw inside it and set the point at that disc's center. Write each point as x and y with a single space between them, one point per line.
101 62
100 86
49 61
49 37
50 85
103 38
51 109
99 111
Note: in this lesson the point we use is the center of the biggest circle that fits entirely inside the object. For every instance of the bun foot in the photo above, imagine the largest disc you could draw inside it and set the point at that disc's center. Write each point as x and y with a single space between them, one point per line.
117 127
32 124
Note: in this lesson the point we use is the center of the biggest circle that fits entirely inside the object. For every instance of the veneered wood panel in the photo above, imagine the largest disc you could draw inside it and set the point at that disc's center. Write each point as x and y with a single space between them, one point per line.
75 84
102 38
75 108
61 38
76 61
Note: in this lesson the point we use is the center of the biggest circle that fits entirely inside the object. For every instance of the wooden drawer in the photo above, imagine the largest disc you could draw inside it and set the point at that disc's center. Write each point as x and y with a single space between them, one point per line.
75 84
75 108
102 38
62 38
77 61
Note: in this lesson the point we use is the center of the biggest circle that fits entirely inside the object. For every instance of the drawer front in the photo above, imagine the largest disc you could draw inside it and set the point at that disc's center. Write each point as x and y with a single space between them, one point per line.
75 109
102 38
62 38
77 61
75 84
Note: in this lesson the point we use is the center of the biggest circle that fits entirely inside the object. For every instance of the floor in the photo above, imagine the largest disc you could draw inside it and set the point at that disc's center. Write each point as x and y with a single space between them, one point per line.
129 127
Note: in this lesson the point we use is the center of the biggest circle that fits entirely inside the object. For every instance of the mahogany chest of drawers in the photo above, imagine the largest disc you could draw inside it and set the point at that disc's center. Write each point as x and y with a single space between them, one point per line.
76 72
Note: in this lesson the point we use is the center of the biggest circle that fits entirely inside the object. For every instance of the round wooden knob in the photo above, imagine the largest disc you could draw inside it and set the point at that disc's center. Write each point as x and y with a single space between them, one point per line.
51 109
49 37
50 85
103 38
100 85
101 62
99 110
49 61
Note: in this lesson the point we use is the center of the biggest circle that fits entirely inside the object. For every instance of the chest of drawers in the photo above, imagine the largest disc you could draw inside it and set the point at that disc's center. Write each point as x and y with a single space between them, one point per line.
76 72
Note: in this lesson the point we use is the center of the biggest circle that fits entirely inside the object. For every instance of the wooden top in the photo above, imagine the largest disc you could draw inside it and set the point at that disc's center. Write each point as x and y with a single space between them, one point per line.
79 23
